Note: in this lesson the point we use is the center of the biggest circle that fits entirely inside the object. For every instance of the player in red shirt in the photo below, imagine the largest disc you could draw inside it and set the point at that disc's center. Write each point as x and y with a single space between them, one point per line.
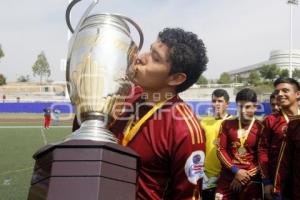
270 146
290 165
162 129
158 125
47 117
240 178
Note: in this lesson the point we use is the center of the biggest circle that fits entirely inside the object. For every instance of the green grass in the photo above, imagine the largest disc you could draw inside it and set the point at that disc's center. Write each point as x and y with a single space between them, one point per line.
17 145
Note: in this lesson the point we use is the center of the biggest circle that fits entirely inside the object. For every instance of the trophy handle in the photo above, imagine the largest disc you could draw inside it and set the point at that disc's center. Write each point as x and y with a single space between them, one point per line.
138 28
68 13
74 2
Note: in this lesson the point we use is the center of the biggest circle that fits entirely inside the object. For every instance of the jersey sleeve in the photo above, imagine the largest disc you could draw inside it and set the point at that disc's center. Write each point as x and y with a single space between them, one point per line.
222 150
263 149
187 155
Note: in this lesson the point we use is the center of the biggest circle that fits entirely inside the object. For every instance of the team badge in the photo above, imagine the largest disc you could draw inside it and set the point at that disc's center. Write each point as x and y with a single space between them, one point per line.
194 168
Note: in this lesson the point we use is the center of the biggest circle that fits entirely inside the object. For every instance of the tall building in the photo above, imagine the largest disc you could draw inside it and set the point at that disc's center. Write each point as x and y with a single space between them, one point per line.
278 57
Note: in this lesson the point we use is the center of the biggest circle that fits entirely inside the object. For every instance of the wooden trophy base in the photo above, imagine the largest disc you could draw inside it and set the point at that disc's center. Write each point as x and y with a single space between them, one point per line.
84 170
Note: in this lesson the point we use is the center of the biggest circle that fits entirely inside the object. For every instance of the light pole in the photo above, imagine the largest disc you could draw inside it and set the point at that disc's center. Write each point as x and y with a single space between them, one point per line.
291 2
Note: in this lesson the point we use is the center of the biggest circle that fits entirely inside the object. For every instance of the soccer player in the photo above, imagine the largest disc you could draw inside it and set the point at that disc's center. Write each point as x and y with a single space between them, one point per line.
160 127
212 165
47 118
290 165
270 152
273 102
240 178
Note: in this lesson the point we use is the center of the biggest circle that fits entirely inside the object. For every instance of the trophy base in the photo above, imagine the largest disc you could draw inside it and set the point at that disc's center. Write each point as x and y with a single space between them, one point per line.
93 130
84 169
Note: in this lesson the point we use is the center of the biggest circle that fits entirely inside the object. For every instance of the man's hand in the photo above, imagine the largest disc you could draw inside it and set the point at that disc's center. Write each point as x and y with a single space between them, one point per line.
268 190
236 185
242 176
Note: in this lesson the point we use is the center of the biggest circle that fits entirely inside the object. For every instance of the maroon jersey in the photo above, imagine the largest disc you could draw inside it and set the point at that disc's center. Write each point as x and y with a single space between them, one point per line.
289 166
171 146
230 143
269 147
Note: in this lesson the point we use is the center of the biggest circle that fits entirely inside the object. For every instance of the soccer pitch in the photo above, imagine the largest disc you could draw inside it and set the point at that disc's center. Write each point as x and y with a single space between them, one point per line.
18 142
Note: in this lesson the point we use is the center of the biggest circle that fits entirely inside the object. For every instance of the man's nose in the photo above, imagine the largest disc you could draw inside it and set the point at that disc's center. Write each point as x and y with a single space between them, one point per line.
142 58
280 93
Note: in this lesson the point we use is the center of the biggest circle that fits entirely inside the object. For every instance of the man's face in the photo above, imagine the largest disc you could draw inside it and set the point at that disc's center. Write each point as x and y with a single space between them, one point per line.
152 68
246 110
286 95
274 106
219 105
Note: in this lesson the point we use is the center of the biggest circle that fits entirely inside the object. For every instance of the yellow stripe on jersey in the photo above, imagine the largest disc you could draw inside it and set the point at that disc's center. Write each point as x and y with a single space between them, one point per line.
221 157
195 123
188 124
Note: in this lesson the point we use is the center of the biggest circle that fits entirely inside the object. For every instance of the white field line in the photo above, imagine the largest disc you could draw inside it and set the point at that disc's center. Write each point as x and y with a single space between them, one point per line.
4 127
44 136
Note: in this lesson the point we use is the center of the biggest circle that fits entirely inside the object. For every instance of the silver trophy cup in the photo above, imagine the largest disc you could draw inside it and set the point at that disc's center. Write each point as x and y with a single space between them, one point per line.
100 54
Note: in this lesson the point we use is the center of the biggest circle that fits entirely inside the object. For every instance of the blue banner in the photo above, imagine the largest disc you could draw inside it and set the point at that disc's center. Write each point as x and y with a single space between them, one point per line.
199 107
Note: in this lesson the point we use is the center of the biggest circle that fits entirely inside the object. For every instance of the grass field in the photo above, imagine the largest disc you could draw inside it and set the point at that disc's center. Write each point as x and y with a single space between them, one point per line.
19 140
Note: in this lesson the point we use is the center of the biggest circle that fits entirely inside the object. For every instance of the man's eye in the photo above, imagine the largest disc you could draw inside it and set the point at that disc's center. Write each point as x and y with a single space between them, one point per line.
285 90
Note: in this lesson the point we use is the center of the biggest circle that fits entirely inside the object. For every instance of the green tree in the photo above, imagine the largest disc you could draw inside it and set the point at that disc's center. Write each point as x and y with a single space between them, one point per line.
2 79
284 73
1 52
202 80
224 78
41 67
23 78
269 72
254 78
296 73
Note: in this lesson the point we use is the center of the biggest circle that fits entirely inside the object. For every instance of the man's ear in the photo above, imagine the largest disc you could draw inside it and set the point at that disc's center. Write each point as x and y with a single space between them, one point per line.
176 79
298 94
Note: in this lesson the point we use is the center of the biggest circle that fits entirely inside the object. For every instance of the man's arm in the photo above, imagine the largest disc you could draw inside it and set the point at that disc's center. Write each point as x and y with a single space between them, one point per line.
263 151
222 150
187 147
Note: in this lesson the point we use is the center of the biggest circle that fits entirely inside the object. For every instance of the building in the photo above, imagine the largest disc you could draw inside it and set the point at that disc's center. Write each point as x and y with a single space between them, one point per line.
278 57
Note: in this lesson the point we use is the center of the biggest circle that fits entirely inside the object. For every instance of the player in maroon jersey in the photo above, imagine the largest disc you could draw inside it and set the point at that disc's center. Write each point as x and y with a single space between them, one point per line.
159 126
270 152
240 178
290 165
170 141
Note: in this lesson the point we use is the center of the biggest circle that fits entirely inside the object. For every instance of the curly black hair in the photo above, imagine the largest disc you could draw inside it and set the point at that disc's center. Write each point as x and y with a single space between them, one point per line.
187 54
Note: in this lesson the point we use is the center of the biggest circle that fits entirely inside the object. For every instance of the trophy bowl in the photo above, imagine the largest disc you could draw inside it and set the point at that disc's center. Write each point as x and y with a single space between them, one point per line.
101 52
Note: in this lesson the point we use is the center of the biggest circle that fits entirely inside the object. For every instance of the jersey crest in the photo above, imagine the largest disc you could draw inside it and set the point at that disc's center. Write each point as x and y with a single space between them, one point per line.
194 166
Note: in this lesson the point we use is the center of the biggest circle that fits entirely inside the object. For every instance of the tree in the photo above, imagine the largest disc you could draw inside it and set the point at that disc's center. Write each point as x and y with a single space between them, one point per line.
224 78
202 80
296 73
284 73
2 79
269 72
254 78
41 67
23 78
1 52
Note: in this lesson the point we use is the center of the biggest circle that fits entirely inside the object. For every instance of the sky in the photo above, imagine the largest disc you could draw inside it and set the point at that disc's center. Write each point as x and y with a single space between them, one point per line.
235 33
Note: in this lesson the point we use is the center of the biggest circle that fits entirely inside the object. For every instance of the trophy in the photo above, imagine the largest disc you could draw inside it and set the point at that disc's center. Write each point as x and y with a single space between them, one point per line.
100 53
90 164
